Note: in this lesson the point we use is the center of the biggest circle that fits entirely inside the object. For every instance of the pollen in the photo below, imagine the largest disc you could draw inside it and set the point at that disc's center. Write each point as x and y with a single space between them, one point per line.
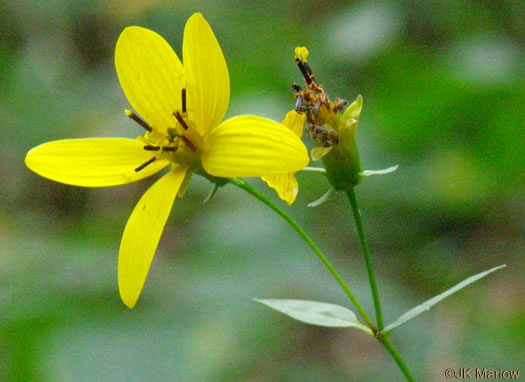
301 53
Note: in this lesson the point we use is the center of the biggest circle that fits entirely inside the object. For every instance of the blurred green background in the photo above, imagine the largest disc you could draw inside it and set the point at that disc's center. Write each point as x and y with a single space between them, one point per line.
444 90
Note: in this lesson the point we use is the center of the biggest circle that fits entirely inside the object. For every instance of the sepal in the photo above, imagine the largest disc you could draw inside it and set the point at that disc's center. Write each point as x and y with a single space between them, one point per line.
379 172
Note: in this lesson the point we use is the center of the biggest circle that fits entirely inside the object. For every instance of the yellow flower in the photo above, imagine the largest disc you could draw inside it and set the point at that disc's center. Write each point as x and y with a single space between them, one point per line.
286 185
183 107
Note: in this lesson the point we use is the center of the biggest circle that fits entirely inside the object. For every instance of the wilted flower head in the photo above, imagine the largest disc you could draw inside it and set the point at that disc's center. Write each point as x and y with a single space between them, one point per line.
332 126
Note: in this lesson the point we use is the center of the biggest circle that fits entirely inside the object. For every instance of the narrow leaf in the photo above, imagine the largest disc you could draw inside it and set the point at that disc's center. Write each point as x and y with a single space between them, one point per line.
317 313
433 301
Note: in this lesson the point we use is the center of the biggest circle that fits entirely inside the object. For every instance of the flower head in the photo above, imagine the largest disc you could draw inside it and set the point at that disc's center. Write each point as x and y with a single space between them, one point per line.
182 107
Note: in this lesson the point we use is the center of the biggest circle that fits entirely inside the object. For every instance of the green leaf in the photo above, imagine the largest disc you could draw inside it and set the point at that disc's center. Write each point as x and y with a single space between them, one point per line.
317 313
433 301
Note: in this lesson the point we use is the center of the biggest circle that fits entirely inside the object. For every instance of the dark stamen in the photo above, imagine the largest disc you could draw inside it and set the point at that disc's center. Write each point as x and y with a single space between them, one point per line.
157 148
188 143
184 100
304 71
308 69
181 120
136 118
151 148
145 164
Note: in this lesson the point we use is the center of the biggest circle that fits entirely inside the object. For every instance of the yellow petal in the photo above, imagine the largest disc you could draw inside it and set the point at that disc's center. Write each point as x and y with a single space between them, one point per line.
285 185
319 152
142 234
150 74
252 146
295 122
94 162
207 75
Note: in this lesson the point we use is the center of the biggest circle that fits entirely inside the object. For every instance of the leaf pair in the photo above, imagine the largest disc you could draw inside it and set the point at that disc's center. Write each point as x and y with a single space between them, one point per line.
335 316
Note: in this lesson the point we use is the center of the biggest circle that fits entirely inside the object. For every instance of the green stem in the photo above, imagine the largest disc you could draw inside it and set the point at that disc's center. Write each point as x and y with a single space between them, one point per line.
369 268
385 340
241 183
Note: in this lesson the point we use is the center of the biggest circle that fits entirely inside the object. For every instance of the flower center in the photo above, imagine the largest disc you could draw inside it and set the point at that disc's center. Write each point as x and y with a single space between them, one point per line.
175 144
